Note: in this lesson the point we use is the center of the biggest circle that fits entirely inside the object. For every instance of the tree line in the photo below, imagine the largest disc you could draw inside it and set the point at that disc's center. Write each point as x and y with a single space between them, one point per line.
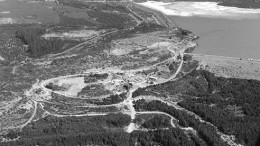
37 45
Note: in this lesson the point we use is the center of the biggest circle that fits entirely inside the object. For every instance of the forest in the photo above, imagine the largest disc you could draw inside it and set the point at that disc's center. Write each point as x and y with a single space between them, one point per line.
37 45
98 130
224 92
205 131
105 15
112 99
95 77
171 137
231 104
95 6
111 20
156 122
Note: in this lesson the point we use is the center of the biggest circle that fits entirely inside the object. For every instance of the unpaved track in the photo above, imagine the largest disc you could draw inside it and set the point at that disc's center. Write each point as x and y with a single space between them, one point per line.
14 69
82 44
33 114
29 120
162 113
81 115
129 101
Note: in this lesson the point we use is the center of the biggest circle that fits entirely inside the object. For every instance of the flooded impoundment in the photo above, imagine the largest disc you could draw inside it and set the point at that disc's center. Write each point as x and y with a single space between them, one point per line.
224 37
224 31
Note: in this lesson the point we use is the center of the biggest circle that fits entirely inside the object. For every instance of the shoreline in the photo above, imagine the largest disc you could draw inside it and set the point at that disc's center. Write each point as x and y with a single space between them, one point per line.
230 67
226 40
227 66
228 57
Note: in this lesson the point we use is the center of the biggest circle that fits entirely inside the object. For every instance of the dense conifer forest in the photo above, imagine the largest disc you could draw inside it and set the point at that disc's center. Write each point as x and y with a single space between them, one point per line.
37 45
230 104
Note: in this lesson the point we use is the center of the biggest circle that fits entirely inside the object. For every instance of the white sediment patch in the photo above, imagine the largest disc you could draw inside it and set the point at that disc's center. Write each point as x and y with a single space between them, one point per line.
27 105
159 45
74 86
203 9
5 12
1 58
7 21
130 128
73 34
119 52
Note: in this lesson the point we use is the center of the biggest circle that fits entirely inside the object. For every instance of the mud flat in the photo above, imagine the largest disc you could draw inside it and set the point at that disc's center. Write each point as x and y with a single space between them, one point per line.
229 66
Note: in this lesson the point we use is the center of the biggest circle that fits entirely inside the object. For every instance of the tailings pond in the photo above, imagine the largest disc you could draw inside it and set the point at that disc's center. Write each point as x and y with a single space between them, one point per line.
223 31
224 37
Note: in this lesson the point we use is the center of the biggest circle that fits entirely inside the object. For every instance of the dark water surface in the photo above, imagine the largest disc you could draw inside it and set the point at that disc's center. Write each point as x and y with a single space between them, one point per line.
225 37
31 11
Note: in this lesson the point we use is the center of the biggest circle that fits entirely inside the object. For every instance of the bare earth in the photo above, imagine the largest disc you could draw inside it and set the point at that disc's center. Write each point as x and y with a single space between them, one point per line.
229 66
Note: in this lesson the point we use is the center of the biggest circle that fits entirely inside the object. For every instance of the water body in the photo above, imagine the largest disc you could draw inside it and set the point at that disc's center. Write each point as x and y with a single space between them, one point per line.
224 37
224 31
28 11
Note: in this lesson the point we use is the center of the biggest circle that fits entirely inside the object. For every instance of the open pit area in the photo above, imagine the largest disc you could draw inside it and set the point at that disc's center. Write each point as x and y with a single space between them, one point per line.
118 73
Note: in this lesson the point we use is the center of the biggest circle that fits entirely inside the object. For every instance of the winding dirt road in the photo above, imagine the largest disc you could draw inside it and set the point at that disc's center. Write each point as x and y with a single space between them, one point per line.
128 102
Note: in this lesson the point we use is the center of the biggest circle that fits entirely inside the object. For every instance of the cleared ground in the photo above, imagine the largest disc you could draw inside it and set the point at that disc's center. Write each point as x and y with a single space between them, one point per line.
229 66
